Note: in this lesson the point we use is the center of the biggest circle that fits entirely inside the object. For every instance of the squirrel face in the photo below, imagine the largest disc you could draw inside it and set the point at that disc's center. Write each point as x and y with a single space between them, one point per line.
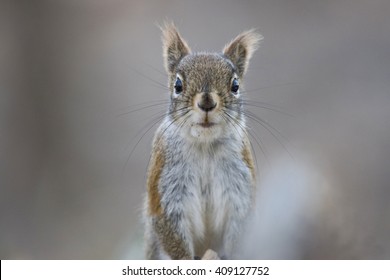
205 87
205 96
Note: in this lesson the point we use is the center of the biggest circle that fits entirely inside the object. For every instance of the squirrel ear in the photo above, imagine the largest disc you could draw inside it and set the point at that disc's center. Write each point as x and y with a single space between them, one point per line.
241 49
174 47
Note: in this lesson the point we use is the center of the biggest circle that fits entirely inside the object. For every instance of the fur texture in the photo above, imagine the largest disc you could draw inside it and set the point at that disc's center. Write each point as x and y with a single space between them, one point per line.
201 178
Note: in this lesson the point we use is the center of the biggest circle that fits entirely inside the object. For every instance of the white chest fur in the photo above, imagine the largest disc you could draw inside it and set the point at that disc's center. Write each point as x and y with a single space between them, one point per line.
208 187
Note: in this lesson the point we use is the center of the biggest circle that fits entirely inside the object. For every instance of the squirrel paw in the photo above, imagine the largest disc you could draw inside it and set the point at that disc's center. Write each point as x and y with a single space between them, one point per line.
210 255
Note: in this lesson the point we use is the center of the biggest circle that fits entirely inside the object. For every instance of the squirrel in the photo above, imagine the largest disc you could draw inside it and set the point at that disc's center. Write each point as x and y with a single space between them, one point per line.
201 175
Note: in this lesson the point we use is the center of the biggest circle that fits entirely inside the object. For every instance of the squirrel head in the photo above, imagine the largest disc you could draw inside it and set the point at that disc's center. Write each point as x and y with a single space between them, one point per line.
205 87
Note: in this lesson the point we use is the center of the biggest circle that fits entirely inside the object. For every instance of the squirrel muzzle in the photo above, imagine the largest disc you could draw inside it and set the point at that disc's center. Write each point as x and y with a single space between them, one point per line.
207 103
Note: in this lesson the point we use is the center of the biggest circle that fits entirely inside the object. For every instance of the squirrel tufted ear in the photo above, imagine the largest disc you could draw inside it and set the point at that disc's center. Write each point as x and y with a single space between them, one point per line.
174 47
241 49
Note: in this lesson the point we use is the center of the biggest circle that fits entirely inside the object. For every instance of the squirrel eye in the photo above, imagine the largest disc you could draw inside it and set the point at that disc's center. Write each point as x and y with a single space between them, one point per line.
235 85
178 86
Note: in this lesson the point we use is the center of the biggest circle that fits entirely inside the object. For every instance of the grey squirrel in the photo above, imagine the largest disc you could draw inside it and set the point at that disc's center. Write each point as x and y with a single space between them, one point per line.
201 176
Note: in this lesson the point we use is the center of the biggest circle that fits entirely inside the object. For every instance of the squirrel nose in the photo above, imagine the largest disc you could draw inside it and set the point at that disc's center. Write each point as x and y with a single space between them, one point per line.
207 104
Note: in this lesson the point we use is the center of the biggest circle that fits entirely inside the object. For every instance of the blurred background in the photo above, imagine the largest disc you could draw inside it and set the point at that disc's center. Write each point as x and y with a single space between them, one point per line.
81 87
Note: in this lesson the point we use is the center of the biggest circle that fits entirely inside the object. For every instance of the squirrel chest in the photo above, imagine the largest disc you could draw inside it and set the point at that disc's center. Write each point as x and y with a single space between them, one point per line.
203 186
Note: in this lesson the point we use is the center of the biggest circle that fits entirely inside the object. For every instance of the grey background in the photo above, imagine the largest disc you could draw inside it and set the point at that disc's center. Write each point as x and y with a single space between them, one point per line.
69 188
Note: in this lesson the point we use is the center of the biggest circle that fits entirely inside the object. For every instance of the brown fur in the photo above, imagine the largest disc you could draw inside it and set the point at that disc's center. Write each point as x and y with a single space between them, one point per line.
247 157
156 166
172 243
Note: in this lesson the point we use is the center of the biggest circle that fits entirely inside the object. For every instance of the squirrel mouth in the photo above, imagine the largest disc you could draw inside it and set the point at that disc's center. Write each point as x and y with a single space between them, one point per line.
206 124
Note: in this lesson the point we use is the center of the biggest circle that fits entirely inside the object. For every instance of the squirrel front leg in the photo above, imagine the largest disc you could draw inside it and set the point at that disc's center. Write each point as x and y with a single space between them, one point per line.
174 243
168 228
